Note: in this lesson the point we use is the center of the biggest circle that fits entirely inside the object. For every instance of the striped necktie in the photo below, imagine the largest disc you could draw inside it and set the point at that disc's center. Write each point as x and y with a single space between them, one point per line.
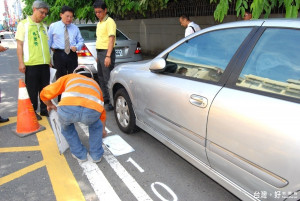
67 41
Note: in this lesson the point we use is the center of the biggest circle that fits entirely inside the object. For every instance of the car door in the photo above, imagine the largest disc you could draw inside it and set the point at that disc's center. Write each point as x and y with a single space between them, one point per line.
175 103
253 124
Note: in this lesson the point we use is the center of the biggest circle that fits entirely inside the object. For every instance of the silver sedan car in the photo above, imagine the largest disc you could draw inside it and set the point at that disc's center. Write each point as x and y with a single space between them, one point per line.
127 50
226 99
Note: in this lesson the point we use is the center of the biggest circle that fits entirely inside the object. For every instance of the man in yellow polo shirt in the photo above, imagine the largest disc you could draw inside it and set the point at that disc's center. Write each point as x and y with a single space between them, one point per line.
105 43
33 54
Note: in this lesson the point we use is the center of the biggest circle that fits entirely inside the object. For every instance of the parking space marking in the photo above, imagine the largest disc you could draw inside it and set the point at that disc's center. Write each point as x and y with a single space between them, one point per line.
18 149
97 179
21 172
128 180
99 183
64 184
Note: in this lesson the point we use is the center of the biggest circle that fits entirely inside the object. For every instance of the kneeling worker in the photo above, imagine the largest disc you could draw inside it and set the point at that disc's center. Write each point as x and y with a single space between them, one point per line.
81 101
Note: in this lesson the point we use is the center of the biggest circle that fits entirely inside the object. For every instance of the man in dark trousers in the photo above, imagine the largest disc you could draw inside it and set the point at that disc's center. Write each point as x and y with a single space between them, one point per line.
64 40
33 53
105 43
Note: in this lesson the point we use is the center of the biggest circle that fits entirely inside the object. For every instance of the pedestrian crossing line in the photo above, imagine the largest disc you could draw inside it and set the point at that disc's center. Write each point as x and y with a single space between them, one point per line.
63 182
19 149
21 172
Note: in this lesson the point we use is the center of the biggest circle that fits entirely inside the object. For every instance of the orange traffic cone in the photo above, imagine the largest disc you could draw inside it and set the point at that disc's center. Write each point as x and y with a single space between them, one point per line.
27 123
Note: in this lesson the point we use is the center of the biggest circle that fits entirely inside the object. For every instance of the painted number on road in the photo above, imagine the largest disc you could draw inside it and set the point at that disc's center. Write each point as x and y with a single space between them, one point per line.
167 189
155 184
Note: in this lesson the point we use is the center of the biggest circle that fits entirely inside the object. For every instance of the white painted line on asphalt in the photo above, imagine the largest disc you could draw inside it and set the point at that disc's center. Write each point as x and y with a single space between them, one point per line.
165 187
107 130
135 164
99 183
129 181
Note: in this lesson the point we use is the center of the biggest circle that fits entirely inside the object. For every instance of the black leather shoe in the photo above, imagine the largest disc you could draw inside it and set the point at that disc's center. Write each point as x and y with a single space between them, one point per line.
2 120
45 113
38 117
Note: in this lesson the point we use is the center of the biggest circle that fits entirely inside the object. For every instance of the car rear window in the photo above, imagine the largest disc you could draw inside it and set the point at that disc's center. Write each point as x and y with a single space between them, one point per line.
89 33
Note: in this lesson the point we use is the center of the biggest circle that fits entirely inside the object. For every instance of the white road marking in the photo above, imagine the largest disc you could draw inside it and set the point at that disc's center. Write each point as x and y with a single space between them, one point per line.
165 187
107 130
129 181
135 164
99 183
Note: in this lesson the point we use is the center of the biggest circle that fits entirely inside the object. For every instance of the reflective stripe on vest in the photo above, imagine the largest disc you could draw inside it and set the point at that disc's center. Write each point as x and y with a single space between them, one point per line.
77 94
81 78
83 85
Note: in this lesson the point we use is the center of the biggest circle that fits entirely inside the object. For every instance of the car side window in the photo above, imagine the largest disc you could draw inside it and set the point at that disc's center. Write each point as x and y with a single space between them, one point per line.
207 55
274 64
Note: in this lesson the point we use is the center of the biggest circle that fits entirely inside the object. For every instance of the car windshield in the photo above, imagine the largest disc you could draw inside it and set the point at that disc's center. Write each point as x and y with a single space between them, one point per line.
88 33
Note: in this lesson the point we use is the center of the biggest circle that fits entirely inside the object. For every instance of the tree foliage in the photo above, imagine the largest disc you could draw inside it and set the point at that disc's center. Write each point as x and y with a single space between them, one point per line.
84 8
257 8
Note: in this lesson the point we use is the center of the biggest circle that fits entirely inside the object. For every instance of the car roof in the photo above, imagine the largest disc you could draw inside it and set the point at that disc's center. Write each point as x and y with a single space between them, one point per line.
271 22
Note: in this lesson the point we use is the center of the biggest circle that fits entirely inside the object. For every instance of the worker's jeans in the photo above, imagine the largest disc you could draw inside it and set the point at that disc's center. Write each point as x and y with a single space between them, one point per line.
68 115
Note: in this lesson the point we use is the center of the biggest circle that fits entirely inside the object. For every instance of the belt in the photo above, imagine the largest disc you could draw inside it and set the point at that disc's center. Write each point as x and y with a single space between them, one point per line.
60 50
101 50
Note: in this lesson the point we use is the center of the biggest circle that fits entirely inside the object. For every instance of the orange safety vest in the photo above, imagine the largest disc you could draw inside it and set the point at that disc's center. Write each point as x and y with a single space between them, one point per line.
76 90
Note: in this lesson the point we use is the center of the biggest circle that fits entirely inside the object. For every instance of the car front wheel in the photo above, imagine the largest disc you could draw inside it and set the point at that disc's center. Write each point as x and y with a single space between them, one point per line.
124 113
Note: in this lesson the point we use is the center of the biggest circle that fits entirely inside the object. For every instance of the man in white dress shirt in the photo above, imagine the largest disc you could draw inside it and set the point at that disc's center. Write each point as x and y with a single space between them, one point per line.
190 27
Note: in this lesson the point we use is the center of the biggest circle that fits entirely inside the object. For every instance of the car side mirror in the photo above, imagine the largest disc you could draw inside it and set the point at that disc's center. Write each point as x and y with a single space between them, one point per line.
158 65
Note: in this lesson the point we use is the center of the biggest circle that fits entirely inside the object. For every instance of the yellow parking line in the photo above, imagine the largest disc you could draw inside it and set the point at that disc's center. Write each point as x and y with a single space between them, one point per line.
18 149
21 172
64 184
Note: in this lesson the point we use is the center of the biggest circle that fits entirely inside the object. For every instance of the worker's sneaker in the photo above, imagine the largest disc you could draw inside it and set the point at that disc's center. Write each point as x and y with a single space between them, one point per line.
97 161
81 160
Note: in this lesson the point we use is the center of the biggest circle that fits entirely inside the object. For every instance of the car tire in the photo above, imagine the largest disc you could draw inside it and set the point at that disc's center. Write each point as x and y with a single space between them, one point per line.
124 113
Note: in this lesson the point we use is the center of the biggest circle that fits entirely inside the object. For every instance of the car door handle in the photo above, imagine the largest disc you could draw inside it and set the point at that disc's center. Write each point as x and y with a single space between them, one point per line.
198 101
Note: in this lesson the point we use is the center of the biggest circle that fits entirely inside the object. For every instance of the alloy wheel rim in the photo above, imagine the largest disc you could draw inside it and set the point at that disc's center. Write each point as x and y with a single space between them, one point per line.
122 111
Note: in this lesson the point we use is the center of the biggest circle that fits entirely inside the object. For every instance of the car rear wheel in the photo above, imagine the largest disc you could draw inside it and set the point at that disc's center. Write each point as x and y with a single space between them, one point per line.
124 113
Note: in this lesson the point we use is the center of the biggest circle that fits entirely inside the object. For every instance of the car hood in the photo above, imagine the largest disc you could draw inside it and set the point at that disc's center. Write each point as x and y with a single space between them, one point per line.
137 64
